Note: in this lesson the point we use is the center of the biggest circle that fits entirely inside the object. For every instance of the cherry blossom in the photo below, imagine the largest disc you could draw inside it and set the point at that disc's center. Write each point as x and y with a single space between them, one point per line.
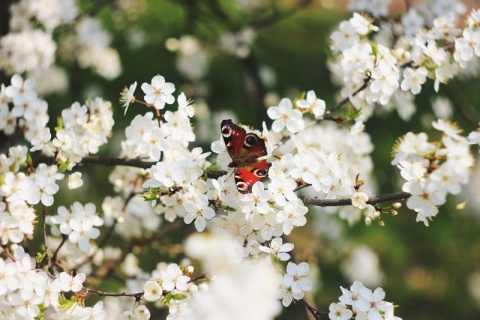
296 279
127 96
159 92
312 104
278 249
285 116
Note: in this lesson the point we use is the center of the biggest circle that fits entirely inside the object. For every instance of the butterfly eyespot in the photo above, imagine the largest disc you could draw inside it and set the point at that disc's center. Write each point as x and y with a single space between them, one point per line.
250 140
242 187
260 173
226 132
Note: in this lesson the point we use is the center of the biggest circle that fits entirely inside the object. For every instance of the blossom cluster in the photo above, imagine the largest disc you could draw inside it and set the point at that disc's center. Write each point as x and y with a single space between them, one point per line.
394 68
30 293
81 131
433 169
171 285
31 46
362 303
78 224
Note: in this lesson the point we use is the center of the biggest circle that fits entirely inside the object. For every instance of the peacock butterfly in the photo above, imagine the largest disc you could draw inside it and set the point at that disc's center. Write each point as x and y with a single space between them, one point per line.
245 149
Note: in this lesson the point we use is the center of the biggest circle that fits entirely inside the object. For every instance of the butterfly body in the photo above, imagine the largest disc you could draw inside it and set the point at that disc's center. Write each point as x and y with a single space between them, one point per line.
245 149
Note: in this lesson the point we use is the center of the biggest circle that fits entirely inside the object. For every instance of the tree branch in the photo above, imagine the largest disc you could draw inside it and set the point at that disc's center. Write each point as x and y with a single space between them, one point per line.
347 202
315 313
136 295
55 254
112 161
216 174
346 100
44 233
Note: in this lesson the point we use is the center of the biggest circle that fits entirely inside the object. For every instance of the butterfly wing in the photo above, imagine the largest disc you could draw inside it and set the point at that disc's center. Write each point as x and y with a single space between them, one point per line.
234 136
245 149
246 177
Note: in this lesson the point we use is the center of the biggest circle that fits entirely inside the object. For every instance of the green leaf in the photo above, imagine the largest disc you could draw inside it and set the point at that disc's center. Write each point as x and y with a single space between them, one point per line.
59 124
168 297
42 308
40 256
179 296
154 194
301 97
27 161
66 304
64 166
274 258
353 113
374 48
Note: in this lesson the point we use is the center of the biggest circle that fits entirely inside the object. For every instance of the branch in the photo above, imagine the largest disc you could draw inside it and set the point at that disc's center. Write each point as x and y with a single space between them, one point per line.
112 161
137 163
346 100
347 202
315 313
44 231
216 174
55 254
136 295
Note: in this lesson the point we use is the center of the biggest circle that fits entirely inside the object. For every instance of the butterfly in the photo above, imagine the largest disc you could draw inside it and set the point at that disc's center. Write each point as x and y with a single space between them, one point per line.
245 149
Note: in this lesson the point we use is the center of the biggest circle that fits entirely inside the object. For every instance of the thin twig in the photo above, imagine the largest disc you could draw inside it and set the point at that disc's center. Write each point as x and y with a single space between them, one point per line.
112 161
55 254
348 201
44 230
346 100
315 313
136 295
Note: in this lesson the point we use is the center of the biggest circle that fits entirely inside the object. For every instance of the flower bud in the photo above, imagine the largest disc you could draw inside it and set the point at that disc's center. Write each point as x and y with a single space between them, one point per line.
368 221
396 205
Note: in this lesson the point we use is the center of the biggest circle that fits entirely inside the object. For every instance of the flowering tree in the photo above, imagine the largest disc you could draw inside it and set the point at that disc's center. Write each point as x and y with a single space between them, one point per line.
178 197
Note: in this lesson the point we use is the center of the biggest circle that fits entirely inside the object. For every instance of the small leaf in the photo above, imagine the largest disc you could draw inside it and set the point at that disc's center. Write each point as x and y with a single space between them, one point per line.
40 256
64 166
374 48
154 194
66 304
59 124
167 299
28 161
353 113
301 97
42 308
179 296
274 258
